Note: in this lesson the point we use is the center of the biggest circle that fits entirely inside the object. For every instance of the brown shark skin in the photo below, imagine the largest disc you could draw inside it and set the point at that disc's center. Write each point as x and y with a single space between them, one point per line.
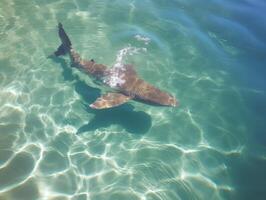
134 87
110 100
89 67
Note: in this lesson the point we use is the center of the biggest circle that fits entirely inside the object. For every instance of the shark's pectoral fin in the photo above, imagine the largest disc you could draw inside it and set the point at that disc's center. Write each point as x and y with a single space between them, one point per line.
110 100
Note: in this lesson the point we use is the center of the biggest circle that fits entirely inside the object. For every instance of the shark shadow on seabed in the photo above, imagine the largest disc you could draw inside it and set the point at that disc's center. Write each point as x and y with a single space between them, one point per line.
136 122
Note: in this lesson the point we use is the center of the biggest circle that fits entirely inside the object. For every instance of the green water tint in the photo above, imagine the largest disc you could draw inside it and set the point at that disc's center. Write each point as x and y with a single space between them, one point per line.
207 54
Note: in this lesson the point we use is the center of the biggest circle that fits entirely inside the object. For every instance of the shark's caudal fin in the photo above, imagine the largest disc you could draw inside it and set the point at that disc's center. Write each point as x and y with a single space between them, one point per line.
66 43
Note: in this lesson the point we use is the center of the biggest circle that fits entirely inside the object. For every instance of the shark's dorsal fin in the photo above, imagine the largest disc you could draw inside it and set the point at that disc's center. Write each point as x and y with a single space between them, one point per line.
110 100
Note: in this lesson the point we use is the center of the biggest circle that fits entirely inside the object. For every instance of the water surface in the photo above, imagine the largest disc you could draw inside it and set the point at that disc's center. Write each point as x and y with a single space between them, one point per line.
209 54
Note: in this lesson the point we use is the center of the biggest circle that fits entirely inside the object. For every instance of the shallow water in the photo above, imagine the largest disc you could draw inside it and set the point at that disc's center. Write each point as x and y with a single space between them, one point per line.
209 54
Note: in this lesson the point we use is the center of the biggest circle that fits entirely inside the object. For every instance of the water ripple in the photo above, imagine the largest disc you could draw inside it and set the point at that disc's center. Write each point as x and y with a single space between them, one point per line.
53 146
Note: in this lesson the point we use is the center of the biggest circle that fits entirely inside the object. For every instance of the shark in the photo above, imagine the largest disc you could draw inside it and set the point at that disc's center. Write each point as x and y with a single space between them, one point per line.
124 81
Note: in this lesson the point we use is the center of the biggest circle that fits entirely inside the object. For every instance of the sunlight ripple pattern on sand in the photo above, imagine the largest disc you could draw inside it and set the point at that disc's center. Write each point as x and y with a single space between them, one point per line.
54 146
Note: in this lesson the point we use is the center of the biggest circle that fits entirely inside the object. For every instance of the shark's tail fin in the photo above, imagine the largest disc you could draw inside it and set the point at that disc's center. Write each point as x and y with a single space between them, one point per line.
66 43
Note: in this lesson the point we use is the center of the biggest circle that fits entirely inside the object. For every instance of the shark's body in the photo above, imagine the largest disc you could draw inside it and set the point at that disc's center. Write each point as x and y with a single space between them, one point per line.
123 79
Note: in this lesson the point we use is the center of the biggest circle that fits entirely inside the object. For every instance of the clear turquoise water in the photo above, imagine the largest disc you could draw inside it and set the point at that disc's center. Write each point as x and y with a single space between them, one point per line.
209 54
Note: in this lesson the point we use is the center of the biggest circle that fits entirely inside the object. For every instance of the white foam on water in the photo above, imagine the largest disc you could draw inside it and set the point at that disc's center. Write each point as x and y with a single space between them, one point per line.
116 74
142 38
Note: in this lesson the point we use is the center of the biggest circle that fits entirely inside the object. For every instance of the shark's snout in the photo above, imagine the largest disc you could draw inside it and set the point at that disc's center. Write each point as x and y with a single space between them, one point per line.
173 102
